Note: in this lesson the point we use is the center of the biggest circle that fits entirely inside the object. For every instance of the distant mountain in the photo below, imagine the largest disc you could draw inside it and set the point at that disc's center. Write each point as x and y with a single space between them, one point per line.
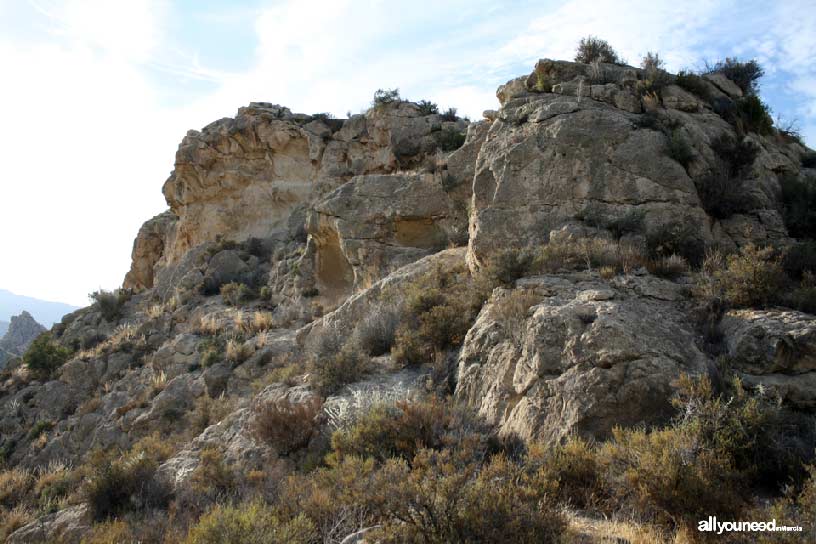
43 311
22 330
4 325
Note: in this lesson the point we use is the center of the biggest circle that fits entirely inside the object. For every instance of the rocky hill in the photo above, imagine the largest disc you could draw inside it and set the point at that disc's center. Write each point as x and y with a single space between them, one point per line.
4 325
543 276
22 330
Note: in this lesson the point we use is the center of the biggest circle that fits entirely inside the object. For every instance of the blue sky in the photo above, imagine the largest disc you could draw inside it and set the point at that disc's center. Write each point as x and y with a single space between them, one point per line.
97 94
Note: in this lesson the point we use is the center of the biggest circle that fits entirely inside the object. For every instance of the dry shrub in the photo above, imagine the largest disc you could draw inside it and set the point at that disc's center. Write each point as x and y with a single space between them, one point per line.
237 352
249 523
751 278
331 372
670 267
126 484
208 325
13 519
403 428
14 484
285 425
375 333
572 253
262 321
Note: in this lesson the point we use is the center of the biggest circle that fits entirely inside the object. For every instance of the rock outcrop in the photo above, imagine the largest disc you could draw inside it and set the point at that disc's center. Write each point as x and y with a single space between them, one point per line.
573 140
585 356
255 176
775 349
22 330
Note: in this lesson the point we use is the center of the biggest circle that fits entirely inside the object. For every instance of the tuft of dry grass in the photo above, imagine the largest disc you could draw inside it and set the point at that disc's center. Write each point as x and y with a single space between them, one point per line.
261 321
237 351
208 325
581 528
11 520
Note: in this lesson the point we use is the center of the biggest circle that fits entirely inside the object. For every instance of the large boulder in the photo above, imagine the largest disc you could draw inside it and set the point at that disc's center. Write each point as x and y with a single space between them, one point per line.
585 357
775 349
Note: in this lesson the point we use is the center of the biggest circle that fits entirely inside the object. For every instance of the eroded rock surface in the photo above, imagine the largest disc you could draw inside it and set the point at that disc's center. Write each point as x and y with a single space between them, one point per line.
587 356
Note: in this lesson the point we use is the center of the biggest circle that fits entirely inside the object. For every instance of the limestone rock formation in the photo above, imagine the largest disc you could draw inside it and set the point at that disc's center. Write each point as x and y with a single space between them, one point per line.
775 349
22 330
570 140
246 177
586 356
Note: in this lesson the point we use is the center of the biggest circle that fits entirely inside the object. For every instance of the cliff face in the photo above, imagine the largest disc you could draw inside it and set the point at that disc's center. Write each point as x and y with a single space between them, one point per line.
292 240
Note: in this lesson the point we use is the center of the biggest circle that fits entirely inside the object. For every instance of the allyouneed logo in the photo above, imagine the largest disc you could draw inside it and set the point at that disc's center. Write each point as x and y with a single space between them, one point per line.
712 525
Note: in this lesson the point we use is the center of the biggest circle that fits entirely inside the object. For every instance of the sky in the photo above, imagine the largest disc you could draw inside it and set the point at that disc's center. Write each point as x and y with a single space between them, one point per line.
95 95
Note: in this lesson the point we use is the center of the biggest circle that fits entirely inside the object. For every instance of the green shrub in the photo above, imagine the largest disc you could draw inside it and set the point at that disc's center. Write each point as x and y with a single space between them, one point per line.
754 115
693 83
124 485
285 425
426 107
803 298
383 97
39 428
110 303
799 205
591 49
680 149
737 155
235 294
252 523
44 356
508 265
676 238
722 195
629 223
800 258
570 472
449 115
409 348
332 371
745 74
450 139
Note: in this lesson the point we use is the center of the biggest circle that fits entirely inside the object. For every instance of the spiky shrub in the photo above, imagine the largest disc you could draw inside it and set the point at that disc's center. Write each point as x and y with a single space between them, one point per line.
376 331
285 425
671 267
44 356
592 48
